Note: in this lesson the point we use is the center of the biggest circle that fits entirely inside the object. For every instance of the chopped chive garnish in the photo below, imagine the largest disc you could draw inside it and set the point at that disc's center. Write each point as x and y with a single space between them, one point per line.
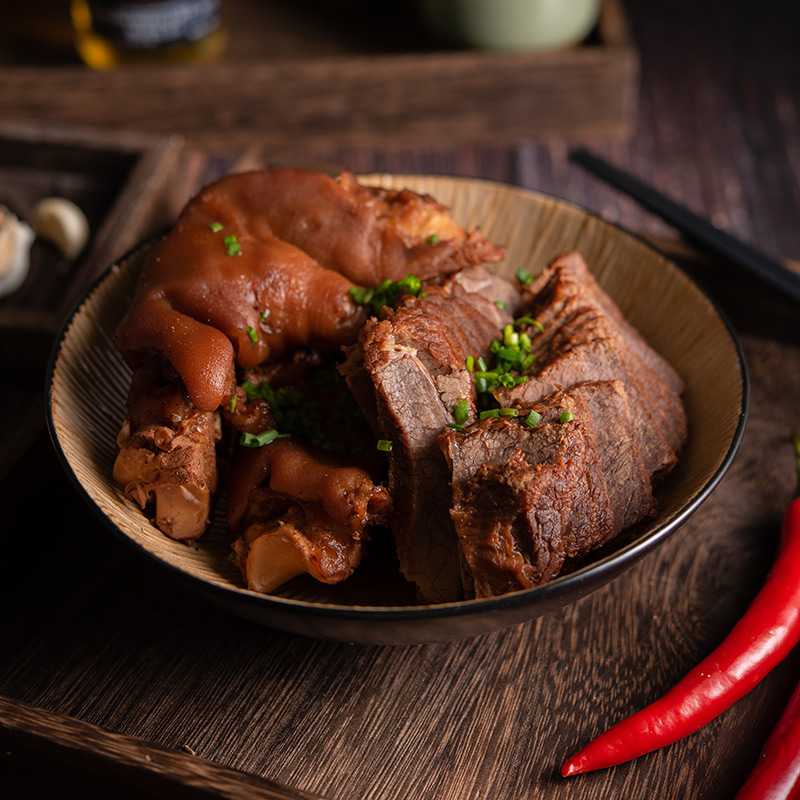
490 413
507 380
253 334
509 412
433 238
527 361
509 354
501 305
461 411
263 315
525 342
216 227
232 245
524 277
385 445
455 426
386 293
528 320
260 439
567 416
481 365
532 420
470 364
233 404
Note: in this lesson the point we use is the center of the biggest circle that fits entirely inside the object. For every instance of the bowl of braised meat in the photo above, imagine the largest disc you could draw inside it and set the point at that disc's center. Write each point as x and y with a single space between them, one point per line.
394 408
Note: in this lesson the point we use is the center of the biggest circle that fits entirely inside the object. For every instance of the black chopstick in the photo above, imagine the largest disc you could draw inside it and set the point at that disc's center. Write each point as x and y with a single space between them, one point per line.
696 228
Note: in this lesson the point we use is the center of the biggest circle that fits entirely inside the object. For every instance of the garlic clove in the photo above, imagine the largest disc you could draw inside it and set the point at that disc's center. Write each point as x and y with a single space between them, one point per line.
61 222
16 238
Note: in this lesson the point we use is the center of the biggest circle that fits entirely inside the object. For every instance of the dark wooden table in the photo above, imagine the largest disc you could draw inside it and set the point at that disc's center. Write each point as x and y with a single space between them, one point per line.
115 679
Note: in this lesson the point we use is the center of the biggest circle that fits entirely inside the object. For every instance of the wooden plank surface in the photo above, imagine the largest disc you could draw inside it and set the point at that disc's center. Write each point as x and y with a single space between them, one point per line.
90 632
350 77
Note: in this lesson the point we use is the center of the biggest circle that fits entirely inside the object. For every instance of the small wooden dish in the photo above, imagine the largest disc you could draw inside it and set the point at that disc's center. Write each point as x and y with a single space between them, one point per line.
89 383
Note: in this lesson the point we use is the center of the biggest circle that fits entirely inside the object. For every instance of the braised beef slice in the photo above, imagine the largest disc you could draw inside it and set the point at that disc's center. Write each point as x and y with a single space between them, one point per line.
407 372
626 478
524 499
583 337
566 286
586 348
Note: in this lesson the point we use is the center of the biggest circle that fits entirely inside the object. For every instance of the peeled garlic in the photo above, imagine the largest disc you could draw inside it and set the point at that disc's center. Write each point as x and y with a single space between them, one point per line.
15 246
61 222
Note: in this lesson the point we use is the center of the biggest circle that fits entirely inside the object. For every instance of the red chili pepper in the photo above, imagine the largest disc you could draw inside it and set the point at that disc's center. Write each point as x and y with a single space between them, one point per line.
761 639
777 773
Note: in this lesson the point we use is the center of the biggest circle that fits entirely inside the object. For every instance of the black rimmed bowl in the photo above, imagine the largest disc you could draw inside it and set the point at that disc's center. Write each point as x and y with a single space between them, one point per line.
88 384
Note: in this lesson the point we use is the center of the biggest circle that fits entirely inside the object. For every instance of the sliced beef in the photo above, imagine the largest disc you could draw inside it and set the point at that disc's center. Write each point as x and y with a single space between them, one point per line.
525 499
408 372
627 480
582 336
565 286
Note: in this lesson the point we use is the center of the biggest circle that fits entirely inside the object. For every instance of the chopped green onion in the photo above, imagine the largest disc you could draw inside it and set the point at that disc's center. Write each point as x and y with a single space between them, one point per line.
232 245
260 439
528 320
532 420
509 354
263 315
524 277
507 380
386 293
509 412
525 342
470 364
567 416
501 305
233 404
490 413
527 361
455 426
481 385
461 411
385 445
433 238
253 334
481 364
216 227
232 557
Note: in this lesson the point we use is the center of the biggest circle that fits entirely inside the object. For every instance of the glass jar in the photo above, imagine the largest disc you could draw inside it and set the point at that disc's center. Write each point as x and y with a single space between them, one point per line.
113 33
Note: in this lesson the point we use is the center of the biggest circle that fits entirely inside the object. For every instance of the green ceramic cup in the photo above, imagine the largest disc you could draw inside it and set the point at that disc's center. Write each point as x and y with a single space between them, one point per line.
532 25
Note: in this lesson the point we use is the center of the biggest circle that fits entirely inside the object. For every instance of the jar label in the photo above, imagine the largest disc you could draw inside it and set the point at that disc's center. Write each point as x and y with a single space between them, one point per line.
149 25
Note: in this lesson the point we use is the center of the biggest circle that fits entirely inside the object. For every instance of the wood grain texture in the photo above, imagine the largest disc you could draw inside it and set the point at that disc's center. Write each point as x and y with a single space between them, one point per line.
88 631
125 766
348 89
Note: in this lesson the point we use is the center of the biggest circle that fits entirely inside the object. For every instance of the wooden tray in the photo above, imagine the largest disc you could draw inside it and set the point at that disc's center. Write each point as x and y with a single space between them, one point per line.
286 83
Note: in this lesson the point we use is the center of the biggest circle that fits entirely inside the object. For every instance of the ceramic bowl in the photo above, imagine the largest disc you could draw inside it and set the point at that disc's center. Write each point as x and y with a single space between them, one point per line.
89 381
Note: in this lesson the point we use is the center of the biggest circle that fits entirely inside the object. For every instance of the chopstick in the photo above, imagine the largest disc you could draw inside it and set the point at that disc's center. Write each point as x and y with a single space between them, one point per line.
699 230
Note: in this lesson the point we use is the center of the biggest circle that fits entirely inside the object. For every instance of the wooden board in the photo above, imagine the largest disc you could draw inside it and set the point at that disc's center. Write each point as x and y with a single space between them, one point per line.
341 90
